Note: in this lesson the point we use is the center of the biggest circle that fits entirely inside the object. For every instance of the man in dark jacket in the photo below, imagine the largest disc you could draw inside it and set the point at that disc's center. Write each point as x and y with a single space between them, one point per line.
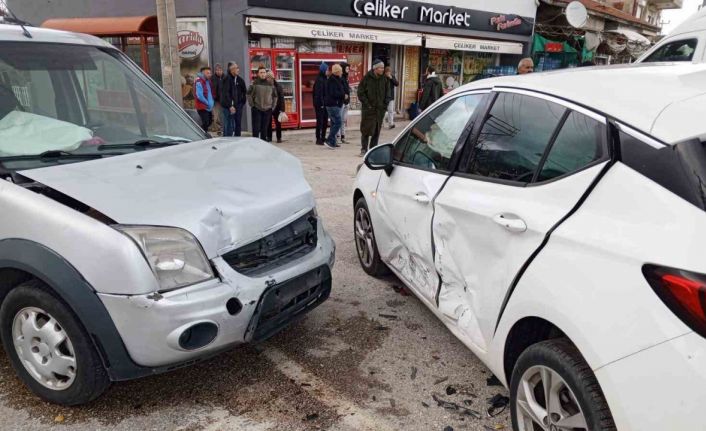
372 93
278 109
319 104
230 98
242 98
217 87
346 103
432 89
333 99
262 97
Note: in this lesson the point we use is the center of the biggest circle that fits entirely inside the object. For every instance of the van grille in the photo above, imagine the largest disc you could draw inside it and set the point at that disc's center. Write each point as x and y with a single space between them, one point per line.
289 243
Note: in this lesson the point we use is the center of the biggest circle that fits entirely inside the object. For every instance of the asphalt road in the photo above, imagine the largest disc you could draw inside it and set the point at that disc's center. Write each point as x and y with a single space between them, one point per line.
370 358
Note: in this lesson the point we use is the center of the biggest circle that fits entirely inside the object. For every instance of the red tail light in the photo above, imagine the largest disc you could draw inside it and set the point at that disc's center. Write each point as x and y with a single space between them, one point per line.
682 291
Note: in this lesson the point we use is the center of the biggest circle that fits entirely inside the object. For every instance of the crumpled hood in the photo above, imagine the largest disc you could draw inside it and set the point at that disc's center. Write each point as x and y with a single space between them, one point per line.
227 192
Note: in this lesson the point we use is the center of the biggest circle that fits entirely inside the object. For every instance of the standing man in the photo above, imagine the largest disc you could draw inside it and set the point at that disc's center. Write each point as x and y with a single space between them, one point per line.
319 105
262 97
279 108
240 106
217 87
230 100
526 66
432 89
392 84
372 92
346 103
203 97
333 99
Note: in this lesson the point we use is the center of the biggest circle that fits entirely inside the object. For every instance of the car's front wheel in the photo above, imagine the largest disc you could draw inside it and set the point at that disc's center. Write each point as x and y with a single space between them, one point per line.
48 347
554 389
365 244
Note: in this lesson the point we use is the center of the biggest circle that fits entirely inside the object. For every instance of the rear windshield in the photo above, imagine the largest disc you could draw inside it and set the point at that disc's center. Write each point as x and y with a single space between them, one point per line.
679 50
79 100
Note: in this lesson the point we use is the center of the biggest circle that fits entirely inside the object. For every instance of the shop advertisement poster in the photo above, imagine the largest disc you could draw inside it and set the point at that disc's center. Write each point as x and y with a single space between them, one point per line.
355 53
192 35
411 75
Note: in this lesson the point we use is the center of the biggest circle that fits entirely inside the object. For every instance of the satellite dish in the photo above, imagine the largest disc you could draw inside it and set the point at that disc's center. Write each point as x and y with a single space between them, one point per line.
576 14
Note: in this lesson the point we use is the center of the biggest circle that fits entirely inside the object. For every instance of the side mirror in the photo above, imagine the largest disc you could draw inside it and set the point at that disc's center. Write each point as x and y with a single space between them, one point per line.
379 158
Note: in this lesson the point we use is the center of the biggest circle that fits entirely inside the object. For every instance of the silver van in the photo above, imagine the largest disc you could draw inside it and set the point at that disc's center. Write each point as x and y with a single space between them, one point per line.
131 243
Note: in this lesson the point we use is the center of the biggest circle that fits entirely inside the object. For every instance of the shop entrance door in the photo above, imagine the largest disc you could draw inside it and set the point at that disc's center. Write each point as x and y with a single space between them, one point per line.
382 51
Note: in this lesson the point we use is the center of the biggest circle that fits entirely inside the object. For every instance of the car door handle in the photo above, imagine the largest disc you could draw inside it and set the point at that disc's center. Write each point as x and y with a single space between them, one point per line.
422 198
511 222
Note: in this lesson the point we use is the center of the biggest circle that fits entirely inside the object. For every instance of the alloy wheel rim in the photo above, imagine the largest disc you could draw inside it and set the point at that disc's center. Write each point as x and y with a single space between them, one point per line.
44 348
364 237
545 402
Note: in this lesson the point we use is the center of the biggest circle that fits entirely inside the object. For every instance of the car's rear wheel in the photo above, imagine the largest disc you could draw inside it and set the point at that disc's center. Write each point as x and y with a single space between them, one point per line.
365 244
48 347
554 389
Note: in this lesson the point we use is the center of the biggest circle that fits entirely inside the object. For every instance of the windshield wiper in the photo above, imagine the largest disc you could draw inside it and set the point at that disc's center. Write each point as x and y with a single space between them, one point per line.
58 154
144 144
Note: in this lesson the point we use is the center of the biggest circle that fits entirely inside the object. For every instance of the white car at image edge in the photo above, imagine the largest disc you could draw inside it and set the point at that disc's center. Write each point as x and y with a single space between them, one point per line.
554 222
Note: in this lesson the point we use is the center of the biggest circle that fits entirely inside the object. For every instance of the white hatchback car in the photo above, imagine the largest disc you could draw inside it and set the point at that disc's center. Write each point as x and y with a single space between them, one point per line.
553 222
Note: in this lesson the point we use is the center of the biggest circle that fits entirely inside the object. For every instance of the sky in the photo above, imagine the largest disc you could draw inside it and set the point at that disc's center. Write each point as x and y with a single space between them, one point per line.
677 16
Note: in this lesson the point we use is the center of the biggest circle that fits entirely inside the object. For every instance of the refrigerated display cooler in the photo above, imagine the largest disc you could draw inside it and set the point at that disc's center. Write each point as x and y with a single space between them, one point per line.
282 63
308 70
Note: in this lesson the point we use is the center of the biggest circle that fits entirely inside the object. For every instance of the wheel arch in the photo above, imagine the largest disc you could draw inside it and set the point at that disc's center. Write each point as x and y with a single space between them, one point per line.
523 334
22 260
357 194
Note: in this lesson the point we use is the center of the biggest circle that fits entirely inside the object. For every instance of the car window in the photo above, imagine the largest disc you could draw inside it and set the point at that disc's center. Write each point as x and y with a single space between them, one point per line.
679 50
432 139
581 141
398 148
514 137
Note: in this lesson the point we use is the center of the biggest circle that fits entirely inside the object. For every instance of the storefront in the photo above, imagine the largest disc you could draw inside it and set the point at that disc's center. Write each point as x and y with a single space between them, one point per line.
292 39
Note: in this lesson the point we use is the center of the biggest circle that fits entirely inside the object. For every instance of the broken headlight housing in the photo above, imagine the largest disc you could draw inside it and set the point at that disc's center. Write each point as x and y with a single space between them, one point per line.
175 256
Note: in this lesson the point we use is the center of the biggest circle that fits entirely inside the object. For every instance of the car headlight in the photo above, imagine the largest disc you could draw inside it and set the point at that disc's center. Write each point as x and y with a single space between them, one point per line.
175 255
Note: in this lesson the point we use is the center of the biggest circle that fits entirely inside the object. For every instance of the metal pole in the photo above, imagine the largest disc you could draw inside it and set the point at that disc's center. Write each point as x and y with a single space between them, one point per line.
168 43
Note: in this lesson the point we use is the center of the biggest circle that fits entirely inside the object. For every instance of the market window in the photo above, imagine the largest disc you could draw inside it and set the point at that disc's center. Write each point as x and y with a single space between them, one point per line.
581 141
514 137
432 139
680 50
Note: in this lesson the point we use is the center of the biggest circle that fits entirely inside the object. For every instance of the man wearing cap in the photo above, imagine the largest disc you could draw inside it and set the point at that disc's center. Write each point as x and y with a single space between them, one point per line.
372 92
320 105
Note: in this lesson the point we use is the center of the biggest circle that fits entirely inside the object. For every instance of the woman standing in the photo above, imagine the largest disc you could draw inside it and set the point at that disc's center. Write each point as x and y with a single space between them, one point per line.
346 102
390 97
279 108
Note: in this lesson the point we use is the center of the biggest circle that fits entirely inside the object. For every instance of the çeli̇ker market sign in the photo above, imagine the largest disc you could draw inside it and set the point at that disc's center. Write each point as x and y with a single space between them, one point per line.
427 14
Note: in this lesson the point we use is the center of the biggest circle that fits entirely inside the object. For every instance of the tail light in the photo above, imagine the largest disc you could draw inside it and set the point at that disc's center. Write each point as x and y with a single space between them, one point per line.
682 291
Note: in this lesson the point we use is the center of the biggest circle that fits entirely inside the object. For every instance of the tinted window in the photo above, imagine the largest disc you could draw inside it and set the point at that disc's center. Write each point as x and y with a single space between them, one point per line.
432 139
680 50
398 149
514 137
581 141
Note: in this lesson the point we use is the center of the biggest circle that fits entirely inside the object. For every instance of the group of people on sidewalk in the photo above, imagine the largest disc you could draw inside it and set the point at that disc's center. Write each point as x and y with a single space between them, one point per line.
226 95
376 93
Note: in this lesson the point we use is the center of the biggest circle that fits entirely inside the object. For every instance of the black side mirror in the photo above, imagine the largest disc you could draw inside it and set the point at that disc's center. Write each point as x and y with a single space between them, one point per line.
379 158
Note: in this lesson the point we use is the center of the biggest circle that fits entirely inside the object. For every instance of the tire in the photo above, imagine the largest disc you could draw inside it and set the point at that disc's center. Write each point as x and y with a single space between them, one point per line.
368 255
85 379
576 389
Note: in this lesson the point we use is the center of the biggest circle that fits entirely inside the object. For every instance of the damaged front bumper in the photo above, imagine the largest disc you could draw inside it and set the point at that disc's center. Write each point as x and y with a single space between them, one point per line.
162 331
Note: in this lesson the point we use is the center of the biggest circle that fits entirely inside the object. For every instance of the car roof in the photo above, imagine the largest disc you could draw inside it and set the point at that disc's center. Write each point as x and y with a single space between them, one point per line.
13 33
636 95
696 22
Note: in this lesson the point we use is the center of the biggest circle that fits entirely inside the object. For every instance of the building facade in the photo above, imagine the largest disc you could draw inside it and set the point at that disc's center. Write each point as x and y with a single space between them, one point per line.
463 39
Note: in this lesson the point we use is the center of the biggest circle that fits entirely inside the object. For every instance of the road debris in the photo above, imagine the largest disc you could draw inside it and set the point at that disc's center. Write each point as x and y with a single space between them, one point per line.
59 418
389 316
493 381
414 373
450 390
441 380
498 404
448 428
312 416
448 405
399 289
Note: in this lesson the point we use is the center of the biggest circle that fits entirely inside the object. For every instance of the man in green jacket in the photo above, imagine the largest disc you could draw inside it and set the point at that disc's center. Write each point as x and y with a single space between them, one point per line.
372 92
262 97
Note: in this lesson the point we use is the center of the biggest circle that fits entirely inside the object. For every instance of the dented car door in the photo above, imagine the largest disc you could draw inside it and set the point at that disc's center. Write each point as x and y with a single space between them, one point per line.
423 158
532 162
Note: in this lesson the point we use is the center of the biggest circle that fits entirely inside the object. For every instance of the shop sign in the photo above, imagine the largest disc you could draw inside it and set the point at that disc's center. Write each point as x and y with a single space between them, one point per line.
502 22
477 45
190 44
554 47
424 13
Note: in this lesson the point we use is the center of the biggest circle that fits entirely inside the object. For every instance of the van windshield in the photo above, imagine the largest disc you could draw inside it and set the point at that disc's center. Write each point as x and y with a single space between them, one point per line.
80 102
